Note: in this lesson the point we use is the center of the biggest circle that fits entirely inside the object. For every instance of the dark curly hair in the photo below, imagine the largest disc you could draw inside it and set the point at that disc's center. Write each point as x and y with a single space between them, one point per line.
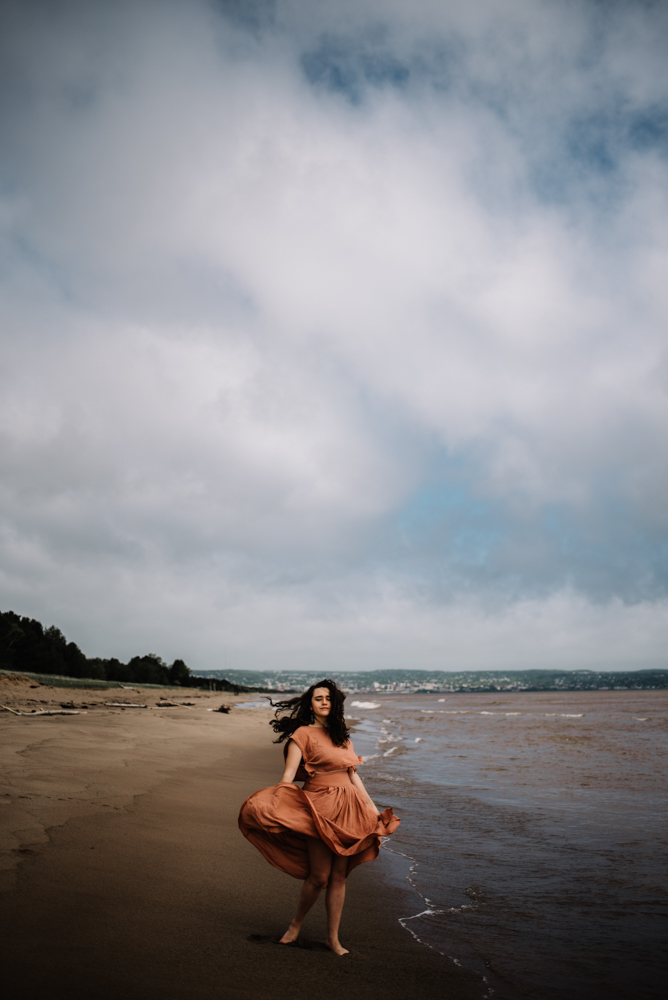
296 712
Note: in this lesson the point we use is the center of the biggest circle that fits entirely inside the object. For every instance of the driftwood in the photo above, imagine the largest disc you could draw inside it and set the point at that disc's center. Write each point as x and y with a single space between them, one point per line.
223 708
54 711
123 704
175 704
42 711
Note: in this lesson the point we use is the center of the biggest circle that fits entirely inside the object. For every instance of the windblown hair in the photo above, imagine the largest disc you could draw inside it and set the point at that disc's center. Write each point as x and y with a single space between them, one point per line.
296 712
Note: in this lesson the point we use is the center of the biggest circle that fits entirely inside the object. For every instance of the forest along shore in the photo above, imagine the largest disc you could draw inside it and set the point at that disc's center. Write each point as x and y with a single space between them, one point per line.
123 873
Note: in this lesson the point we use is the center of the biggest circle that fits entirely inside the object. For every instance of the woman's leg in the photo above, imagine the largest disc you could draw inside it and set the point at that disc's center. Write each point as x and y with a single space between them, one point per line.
320 861
336 894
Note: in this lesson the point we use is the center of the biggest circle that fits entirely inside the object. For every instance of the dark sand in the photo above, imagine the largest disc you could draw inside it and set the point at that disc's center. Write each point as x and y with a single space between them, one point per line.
125 876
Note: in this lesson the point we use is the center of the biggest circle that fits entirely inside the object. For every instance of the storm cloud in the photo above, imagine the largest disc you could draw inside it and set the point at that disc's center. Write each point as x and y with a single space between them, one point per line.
336 333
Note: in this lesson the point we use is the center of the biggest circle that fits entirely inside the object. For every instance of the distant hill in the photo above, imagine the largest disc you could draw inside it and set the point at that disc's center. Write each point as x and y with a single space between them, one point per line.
26 645
410 681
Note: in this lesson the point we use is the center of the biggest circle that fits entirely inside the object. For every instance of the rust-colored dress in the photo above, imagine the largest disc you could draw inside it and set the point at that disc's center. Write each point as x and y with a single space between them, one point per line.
277 820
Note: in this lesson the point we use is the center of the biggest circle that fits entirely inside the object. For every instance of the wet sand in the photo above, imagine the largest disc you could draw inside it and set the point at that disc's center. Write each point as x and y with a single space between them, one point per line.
124 874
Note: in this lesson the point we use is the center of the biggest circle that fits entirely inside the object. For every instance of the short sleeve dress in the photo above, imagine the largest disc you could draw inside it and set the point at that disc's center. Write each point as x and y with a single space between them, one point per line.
278 820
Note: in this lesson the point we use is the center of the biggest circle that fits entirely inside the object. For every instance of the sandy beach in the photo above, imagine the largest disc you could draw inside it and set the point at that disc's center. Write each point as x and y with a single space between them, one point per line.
124 873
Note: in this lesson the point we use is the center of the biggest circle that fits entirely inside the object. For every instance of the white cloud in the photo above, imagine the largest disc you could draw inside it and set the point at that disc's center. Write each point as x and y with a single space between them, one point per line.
264 286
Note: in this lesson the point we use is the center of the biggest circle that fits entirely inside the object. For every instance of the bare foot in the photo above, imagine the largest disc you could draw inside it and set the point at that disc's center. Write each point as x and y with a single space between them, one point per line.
290 935
336 947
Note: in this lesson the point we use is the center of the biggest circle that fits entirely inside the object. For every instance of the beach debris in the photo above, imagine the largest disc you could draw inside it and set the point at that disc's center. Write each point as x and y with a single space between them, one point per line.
123 704
175 704
41 711
54 711
222 708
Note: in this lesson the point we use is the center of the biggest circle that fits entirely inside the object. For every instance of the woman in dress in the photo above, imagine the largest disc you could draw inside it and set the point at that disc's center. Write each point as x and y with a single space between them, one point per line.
323 831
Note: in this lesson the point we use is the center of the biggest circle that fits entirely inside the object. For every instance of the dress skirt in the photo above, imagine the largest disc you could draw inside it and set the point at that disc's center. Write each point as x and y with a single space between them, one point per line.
278 820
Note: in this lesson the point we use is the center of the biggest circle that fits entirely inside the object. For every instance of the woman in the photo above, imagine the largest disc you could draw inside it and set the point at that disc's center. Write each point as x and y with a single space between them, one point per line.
323 831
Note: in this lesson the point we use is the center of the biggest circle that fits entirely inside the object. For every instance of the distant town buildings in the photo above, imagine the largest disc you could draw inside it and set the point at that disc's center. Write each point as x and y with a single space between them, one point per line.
449 682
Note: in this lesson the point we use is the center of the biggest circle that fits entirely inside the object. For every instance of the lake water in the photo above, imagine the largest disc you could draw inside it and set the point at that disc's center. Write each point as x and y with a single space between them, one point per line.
536 828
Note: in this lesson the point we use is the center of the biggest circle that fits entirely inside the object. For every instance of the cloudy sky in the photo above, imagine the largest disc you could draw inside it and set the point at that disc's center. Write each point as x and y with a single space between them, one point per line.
335 334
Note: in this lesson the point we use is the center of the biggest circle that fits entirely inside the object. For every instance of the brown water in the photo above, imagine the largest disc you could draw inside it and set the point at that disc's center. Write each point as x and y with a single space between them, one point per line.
537 831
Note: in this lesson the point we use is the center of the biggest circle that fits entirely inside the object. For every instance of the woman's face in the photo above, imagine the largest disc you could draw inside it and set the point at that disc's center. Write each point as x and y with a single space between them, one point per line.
321 703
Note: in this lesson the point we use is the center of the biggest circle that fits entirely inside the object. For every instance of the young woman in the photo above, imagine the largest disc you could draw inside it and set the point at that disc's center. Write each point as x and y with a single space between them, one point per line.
323 831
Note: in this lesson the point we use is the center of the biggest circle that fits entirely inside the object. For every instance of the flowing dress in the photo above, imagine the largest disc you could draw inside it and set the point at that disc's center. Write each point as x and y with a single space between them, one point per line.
278 820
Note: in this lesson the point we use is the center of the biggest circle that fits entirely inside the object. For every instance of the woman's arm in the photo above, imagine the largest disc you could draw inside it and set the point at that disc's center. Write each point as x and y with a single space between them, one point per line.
359 785
292 761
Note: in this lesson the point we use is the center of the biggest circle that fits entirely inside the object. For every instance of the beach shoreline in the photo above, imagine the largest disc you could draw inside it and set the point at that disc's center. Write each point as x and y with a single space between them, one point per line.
124 873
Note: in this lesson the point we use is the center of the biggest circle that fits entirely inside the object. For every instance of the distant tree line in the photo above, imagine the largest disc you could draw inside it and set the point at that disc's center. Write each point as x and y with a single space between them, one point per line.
25 645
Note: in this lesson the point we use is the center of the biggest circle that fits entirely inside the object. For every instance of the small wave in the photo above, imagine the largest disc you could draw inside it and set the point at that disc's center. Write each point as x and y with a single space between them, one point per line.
365 704
371 756
569 715
638 719
418 739
432 911
254 704
416 916
388 752
442 699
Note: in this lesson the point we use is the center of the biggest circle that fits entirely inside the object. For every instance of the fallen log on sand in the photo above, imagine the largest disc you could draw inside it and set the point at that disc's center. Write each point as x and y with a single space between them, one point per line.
42 711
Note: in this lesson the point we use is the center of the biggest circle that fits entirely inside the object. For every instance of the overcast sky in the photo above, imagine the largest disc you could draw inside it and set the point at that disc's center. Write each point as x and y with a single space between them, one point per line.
335 333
